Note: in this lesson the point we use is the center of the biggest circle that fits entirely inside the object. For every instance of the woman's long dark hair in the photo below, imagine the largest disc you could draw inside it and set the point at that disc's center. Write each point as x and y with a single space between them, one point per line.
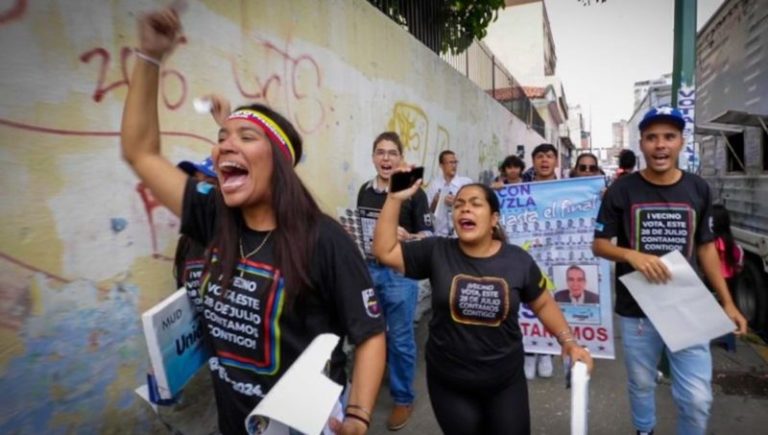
721 227
182 247
296 213
493 201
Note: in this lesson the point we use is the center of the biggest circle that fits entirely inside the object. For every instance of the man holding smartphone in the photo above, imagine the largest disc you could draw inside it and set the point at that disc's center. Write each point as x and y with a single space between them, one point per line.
441 191
397 294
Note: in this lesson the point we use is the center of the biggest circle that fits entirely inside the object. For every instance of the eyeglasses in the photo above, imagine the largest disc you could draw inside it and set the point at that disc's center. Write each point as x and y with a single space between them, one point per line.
390 153
588 168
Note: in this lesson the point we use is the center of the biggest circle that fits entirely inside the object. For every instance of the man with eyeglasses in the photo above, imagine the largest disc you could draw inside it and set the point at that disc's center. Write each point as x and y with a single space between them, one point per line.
397 294
441 192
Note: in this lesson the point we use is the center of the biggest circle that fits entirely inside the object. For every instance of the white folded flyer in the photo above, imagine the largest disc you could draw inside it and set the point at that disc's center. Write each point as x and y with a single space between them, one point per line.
304 398
683 310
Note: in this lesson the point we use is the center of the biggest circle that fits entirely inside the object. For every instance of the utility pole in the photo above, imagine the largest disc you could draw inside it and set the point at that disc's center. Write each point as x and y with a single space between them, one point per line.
684 92
684 76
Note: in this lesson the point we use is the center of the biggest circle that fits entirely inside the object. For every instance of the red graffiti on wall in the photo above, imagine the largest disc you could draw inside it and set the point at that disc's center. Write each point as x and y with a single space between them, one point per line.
126 54
16 11
150 204
293 85
64 132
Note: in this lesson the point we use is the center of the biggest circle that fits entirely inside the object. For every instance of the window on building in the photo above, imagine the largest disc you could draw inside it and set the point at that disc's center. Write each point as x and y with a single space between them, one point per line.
735 154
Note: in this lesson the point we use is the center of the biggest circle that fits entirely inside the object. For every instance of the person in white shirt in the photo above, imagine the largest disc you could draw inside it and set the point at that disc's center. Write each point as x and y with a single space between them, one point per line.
441 192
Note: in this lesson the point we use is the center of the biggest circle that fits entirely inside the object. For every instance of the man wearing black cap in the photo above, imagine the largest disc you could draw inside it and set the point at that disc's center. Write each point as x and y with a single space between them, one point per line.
652 212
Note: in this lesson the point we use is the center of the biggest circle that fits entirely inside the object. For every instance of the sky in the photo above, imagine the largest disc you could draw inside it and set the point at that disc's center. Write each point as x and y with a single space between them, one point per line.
603 49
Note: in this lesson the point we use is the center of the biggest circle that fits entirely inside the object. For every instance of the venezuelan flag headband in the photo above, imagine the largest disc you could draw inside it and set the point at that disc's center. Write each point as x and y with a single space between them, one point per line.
270 127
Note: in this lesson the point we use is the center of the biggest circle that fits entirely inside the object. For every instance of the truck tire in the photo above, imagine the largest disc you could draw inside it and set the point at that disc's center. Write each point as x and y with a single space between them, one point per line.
750 296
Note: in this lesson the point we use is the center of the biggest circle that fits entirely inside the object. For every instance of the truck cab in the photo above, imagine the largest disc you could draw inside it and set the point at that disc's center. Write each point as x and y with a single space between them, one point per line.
731 115
734 149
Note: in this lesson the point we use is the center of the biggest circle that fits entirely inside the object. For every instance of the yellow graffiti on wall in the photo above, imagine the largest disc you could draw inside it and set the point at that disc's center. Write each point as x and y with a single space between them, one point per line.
411 123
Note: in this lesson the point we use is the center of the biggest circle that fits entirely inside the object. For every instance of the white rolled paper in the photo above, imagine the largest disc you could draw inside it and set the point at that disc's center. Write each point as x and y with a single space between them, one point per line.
579 398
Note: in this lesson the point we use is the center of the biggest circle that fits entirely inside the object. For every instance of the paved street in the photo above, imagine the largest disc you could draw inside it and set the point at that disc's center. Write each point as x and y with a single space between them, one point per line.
740 404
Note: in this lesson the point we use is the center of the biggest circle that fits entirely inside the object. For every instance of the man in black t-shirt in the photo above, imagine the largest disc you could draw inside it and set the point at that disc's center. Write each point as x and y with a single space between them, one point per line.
397 294
651 213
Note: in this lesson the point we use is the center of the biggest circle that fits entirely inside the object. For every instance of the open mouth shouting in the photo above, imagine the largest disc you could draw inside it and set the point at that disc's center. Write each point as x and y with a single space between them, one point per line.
660 159
467 224
385 169
232 175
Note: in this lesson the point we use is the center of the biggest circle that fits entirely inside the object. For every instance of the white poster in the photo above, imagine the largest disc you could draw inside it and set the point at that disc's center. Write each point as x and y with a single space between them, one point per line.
554 221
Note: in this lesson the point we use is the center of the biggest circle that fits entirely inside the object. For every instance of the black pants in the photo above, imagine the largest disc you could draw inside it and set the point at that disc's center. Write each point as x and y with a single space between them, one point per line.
470 410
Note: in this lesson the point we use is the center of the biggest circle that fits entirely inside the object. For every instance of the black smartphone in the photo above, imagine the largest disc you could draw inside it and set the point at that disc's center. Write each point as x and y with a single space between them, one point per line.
403 180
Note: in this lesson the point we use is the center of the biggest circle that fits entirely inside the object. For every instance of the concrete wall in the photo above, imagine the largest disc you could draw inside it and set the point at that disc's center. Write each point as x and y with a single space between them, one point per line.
83 252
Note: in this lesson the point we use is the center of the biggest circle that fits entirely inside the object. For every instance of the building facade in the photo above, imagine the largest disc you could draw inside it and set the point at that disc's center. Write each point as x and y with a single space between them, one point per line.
521 40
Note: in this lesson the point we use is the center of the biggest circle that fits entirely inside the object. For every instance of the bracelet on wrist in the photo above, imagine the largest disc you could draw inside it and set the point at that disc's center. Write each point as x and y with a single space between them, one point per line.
563 332
147 58
367 423
359 408
569 340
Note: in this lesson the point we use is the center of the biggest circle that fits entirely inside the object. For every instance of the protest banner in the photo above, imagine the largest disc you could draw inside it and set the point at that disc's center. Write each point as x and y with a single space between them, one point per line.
360 223
554 221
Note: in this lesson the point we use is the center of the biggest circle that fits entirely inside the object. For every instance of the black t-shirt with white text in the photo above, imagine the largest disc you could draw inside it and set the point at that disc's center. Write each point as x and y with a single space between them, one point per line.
654 219
474 335
414 213
255 334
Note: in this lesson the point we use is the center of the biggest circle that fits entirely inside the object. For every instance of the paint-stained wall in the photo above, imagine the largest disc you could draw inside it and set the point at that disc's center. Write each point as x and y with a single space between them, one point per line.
84 250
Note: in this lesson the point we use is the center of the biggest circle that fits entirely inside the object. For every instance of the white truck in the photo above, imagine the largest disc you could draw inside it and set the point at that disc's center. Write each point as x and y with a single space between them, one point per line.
732 133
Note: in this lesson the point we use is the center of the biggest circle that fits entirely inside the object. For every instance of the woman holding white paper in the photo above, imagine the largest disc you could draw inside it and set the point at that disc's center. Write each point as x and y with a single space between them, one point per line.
474 352
279 272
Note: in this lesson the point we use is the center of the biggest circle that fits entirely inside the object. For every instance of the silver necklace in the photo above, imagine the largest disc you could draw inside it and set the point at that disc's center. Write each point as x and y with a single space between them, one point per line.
257 249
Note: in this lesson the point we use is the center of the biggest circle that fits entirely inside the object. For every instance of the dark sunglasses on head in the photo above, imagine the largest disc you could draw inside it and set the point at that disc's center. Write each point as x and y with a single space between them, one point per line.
588 168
